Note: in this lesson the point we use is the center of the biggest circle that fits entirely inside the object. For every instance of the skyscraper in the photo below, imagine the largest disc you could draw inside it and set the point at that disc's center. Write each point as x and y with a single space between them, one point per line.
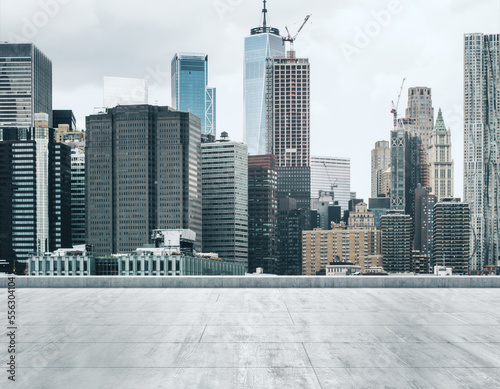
263 44
381 160
440 161
143 172
189 89
225 199
25 85
407 167
331 174
288 106
481 145
262 213
124 91
420 109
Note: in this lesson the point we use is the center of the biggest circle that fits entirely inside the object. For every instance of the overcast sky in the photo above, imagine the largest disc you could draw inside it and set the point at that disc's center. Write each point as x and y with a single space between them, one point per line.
359 50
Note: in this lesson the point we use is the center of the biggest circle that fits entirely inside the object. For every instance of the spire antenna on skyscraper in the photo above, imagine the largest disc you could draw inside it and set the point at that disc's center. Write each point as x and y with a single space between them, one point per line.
264 12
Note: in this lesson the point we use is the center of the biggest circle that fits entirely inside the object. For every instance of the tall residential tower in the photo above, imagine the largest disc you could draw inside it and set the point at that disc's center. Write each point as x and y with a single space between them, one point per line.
482 146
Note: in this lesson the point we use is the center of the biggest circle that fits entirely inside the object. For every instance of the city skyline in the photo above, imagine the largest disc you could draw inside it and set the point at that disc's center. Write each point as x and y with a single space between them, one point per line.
328 40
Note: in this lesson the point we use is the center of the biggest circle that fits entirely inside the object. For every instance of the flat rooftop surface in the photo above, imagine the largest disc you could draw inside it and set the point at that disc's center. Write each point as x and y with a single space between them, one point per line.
254 338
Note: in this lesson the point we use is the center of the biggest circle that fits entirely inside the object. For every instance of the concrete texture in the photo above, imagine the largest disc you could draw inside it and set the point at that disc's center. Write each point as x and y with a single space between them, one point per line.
255 338
256 282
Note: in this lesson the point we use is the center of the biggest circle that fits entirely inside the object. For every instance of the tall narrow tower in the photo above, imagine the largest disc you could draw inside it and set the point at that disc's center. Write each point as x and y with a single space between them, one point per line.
482 146
263 43
440 161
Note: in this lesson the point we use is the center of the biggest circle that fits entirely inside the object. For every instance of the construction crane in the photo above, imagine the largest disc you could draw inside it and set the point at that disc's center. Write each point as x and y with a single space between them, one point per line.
332 186
291 39
394 109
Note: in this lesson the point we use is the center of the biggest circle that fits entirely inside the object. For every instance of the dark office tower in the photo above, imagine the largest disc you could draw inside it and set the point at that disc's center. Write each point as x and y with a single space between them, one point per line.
262 213
291 222
424 230
143 172
64 116
405 168
18 229
60 232
397 237
35 182
78 195
25 85
481 145
420 109
224 166
451 235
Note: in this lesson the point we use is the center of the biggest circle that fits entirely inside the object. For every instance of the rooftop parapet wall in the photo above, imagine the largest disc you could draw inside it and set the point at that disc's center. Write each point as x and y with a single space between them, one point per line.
254 282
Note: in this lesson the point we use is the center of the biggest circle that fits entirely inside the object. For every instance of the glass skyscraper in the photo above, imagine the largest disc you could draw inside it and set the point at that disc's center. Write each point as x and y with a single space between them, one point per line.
189 89
25 85
263 43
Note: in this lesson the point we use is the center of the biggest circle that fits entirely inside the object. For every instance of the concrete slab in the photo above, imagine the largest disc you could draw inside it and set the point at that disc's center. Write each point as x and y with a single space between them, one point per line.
255 338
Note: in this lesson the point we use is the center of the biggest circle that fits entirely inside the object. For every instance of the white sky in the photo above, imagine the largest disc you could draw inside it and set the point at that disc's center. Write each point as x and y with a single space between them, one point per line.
353 79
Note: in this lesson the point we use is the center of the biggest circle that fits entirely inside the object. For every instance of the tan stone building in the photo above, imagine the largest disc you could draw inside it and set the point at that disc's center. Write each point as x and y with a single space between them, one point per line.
359 246
361 218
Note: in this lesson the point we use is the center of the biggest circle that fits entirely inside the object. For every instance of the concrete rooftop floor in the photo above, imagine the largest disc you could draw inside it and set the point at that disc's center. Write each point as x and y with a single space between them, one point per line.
255 338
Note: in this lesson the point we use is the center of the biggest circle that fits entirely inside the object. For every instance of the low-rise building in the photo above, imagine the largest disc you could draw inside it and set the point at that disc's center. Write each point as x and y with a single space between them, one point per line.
342 269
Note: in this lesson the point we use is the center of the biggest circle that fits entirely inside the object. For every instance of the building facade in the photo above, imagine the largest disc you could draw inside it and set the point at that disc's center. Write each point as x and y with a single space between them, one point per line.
78 195
360 247
397 238
424 220
225 199
25 85
440 161
380 162
378 207
143 172
481 152
331 174
263 44
190 91
361 217
451 239
291 222
262 213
